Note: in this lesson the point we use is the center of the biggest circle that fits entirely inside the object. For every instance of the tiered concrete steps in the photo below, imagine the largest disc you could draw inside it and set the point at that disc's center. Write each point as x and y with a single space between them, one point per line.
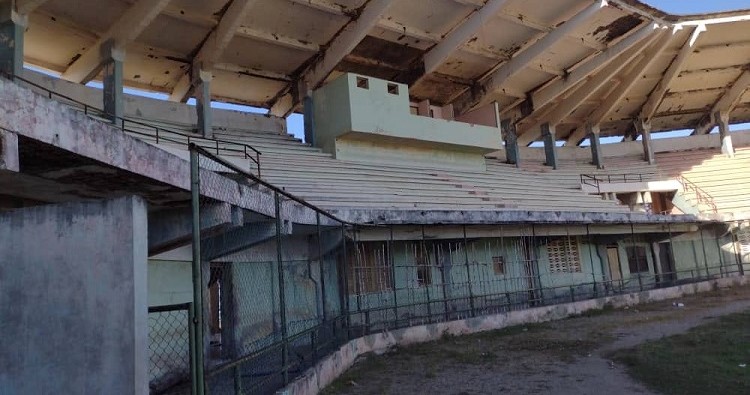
726 180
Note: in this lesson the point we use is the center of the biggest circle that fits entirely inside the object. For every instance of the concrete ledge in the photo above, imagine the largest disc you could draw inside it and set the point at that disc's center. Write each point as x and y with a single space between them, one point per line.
332 366
462 217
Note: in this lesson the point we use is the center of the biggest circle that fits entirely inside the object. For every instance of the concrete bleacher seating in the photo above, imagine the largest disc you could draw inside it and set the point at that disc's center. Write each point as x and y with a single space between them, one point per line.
723 178
322 180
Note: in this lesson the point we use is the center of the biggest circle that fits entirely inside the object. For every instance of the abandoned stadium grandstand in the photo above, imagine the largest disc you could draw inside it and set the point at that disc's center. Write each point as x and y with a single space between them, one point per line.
453 177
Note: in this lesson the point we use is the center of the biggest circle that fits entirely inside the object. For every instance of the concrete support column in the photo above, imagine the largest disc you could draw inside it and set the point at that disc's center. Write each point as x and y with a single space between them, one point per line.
9 151
309 118
644 129
12 26
508 129
592 131
550 150
722 119
113 56
203 102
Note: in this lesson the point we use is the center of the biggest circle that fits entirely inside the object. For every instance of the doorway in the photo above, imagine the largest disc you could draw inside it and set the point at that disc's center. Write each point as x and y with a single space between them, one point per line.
615 270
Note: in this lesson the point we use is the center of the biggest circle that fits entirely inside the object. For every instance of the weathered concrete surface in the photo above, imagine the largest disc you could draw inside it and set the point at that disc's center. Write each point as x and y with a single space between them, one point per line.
154 110
8 151
436 217
73 303
328 369
36 117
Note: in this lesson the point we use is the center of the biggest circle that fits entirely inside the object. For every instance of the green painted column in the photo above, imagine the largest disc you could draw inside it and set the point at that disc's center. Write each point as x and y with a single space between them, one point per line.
12 27
550 150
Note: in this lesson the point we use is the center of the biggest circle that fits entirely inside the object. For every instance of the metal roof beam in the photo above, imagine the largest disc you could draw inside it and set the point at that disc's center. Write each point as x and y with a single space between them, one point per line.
657 95
496 79
726 102
341 45
214 46
124 31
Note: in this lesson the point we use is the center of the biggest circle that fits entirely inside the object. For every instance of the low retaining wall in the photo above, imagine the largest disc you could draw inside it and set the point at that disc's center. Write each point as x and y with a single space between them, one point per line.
332 366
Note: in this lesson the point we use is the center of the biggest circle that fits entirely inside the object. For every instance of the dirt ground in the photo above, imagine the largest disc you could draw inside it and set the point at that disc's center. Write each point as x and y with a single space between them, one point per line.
562 357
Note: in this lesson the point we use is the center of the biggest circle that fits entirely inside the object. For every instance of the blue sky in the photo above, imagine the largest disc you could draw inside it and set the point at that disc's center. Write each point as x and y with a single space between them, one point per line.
295 121
698 6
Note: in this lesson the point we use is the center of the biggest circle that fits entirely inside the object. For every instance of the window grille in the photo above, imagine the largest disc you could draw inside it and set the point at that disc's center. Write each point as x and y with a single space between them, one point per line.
564 256
371 269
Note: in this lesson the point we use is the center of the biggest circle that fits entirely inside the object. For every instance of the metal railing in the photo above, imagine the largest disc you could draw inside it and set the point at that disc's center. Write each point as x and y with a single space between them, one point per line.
701 196
160 134
595 180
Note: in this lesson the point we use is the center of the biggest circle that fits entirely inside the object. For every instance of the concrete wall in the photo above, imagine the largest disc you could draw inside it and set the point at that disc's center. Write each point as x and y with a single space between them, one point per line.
169 282
147 109
375 114
635 148
73 298
328 369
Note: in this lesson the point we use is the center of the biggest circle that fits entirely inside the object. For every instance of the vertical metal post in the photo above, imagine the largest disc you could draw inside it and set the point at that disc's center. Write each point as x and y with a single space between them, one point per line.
468 274
705 258
439 259
637 261
344 298
591 258
721 255
393 276
737 256
197 319
322 268
193 346
673 277
536 262
429 267
282 296
237 380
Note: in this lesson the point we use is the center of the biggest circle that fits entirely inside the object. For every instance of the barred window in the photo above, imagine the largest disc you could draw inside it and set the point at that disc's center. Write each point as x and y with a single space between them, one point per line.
371 268
498 264
637 261
564 256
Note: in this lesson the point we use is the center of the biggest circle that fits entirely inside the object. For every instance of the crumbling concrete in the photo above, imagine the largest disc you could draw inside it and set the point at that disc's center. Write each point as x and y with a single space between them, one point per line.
439 217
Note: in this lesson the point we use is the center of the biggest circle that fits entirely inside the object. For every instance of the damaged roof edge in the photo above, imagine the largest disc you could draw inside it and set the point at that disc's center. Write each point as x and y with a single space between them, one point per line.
648 11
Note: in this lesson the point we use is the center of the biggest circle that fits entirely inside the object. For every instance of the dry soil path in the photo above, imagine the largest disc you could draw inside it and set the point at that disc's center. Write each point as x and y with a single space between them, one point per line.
562 357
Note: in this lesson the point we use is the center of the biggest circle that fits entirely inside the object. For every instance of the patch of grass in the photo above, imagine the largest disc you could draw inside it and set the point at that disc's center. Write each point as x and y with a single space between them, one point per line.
704 360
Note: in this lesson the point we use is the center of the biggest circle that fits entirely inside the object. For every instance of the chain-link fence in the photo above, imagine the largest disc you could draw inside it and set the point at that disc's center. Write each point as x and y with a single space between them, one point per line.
282 284
169 347
269 276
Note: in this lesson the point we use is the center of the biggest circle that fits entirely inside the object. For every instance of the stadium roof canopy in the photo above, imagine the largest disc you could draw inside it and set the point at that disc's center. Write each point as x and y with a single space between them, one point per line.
566 62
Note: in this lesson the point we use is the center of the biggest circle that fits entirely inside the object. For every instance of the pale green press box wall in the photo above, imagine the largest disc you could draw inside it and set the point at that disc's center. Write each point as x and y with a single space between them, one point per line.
367 119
